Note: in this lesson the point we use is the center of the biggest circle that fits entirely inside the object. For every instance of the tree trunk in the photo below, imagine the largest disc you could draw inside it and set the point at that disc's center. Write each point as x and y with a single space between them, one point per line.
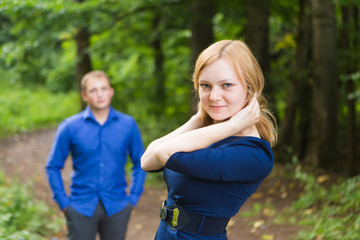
83 64
257 37
322 147
159 95
354 165
349 27
201 25
297 87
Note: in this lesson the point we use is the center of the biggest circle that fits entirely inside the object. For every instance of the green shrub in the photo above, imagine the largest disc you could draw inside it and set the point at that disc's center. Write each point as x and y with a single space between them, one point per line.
22 216
331 213
25 109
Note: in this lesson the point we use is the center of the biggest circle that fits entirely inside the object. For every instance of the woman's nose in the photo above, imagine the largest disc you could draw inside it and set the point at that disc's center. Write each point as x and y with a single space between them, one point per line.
215 94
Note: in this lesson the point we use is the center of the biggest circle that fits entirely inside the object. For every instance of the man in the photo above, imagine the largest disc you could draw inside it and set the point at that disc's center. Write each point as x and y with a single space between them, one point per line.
100 139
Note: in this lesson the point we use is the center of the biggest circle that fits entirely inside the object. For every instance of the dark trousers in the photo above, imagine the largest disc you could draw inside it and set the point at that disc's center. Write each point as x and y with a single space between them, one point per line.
81 227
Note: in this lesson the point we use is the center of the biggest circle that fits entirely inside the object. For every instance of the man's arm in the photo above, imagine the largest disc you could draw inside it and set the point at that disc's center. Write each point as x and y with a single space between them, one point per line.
55 163
136 149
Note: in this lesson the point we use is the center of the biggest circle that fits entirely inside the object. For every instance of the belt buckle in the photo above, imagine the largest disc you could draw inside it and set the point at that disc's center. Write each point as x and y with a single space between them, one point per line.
163 211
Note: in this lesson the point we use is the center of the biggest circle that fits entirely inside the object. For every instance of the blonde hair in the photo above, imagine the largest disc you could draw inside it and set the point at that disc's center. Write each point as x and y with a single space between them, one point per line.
247 69
92 75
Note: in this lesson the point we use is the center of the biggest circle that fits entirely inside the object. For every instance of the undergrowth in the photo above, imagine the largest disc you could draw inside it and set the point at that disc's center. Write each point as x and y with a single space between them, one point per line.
22 217
325 212
26 109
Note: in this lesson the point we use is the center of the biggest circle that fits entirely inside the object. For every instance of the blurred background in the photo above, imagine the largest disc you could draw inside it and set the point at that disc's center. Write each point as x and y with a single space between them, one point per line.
309 51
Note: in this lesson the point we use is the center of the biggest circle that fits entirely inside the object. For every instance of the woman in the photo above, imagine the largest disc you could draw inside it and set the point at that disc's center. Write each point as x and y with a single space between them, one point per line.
217 159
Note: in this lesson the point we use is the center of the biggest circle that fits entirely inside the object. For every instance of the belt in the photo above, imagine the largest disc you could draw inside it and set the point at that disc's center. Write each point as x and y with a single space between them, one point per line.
177 218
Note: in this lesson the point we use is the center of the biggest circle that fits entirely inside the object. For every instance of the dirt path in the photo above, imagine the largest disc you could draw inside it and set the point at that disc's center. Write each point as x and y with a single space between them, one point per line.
23 157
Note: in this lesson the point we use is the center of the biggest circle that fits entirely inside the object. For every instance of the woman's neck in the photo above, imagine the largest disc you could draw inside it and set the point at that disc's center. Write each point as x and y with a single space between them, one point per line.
250 131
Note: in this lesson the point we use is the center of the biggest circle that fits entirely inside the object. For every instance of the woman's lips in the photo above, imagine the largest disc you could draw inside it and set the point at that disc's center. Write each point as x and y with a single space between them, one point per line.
217 107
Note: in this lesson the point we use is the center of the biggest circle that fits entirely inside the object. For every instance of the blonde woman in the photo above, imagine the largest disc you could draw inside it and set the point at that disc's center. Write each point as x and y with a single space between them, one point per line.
217 159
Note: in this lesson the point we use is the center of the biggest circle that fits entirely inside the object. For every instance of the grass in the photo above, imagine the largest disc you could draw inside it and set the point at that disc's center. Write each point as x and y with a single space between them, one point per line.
22 217
326 207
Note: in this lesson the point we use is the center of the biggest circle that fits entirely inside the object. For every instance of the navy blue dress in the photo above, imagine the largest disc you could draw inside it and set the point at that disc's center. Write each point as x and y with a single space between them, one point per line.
215 181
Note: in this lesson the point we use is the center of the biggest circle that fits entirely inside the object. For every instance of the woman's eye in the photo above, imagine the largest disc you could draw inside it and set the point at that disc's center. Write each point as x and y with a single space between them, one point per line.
226 85
203 85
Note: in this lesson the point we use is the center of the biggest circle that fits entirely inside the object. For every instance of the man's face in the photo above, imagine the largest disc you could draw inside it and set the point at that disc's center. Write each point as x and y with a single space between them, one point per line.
98 93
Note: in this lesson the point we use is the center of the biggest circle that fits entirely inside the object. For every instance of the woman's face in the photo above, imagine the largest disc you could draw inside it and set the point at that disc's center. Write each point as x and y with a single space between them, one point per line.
221 92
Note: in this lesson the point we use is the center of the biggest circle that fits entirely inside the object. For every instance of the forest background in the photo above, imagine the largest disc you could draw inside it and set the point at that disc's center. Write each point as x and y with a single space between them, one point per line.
309 51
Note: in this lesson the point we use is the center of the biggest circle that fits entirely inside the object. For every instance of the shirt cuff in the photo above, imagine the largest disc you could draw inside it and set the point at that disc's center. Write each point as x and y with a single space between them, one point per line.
63 202
134 199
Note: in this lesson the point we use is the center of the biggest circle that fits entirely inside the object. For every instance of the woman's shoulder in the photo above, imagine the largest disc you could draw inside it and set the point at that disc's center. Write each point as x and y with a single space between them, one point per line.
245 143
257 146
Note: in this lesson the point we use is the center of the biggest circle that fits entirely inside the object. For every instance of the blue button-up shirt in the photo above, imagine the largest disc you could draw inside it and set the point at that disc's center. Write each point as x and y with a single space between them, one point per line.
99 154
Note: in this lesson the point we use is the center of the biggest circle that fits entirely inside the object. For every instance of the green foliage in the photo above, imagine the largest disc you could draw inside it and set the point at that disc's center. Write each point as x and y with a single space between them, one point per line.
25 109
229 22
326 212
257 208
30 46
21 215
61 77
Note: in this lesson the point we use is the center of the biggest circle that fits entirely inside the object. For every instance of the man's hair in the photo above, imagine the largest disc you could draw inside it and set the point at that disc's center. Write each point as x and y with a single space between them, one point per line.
92 75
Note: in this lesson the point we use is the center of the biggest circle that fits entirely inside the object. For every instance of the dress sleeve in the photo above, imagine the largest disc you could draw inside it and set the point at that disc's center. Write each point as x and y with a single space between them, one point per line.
249 161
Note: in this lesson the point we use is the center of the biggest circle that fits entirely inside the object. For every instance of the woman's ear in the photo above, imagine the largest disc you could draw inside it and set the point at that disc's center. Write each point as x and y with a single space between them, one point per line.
248 98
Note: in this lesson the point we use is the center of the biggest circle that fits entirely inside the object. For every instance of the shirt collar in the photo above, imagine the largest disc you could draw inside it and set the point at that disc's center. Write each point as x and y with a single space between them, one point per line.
112 114
87 114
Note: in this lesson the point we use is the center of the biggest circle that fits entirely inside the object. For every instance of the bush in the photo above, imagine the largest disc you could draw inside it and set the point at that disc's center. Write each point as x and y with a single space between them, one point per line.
22 216
326 212
25 109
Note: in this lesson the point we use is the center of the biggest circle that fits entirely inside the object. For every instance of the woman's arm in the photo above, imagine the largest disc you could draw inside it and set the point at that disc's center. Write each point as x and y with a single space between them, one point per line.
190 138
148 160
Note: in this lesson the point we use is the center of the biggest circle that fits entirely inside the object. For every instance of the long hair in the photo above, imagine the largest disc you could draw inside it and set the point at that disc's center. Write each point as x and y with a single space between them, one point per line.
247 69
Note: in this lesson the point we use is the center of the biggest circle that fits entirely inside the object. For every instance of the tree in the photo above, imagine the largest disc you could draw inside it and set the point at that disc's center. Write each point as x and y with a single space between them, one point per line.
257 35
348 45
323 144
298 96
83 64
201 26
160 96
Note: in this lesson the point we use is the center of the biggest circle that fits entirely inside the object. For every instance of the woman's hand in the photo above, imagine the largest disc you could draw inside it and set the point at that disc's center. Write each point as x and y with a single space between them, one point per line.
247 116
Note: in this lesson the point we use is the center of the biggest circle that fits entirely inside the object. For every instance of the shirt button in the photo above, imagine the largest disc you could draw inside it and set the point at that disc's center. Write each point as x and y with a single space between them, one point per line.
101 164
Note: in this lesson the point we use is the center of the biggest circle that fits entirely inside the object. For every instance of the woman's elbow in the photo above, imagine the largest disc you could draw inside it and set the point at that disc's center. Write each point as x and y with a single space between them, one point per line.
145 165
152 161
161 156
